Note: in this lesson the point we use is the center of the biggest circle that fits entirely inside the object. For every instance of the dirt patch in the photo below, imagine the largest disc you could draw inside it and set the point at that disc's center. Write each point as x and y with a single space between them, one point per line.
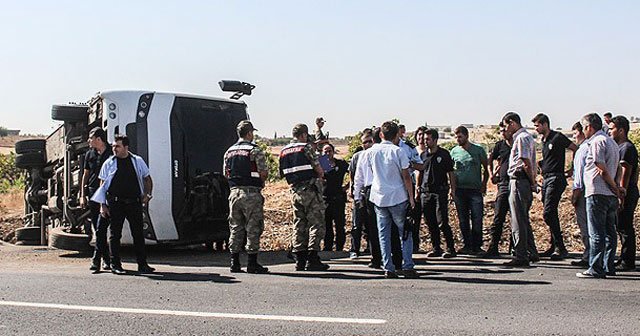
11 210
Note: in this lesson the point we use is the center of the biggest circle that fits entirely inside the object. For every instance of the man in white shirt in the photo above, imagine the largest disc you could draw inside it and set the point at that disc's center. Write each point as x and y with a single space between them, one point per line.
392 195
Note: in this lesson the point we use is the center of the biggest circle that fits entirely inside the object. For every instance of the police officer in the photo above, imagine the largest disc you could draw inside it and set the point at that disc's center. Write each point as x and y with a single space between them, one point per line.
300 167
93 160
245 166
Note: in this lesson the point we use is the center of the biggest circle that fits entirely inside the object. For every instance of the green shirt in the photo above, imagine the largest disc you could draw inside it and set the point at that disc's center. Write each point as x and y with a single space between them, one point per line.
468 166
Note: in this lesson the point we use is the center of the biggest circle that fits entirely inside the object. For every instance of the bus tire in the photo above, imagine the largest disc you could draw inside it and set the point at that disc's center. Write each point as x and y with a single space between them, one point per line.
61 239
28 233
31 145
70 113
31 160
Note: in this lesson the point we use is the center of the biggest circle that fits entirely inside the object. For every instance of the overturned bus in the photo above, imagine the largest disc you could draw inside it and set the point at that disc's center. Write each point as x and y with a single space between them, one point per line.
182 138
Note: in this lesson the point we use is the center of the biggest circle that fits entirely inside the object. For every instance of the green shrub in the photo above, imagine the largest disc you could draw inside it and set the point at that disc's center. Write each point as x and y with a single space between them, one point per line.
272 162
11 177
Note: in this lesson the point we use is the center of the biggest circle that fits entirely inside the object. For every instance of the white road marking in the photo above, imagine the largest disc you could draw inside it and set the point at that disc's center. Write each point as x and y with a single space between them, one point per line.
193 314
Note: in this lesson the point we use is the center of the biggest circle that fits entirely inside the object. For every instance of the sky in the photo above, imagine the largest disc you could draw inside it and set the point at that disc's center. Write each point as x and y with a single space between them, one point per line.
356 63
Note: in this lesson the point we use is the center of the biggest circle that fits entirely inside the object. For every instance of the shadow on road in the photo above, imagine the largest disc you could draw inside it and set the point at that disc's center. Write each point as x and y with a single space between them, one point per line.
190 277
485 281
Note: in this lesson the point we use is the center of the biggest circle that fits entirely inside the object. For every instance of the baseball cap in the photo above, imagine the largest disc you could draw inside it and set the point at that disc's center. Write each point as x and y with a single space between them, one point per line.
245 126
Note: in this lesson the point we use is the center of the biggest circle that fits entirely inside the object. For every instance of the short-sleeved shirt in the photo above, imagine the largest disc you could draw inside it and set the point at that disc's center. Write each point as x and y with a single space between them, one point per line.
554 152
602 149
93 162
335 179
437 165
387 162
579 160
319 135
629 155
468 166
500 153
523 147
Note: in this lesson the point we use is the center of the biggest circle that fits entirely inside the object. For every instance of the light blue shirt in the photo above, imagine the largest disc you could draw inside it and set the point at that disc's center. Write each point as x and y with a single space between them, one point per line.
387 162
579 160
412 154
108 171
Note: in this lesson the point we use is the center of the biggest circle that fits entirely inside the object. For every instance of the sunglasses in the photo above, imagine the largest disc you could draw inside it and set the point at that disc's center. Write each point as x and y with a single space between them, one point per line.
368 141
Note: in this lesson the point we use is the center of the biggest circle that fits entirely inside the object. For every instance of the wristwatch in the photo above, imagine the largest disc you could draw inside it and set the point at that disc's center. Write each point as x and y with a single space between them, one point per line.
149 196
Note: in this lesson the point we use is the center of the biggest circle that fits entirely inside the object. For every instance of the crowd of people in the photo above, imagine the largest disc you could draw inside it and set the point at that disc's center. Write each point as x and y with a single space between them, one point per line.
396 185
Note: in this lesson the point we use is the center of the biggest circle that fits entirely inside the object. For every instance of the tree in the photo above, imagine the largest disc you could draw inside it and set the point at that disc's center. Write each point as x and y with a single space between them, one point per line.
3 132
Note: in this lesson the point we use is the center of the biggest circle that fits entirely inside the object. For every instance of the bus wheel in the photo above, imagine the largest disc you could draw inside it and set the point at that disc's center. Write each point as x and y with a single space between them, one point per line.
60 238
70 113
31 145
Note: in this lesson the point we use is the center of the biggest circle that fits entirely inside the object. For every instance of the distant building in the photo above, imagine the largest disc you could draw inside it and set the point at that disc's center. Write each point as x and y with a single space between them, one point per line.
13 132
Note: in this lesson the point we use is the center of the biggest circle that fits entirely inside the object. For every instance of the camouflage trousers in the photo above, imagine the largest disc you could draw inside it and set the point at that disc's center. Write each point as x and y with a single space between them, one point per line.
308 219
245 217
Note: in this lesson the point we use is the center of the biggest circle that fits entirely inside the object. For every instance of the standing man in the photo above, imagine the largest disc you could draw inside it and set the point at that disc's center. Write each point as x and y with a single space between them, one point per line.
522 168
300 167
619 131
359 212
471 176
245 166
433 188
124 192
335 197
577 196
607 120
554 146
100 151
602 192
416 164
500 178
392 194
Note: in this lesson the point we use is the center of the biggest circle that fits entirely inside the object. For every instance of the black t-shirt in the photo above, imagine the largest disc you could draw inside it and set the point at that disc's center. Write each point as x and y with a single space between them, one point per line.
125 181
93 162
629 154
553 152
501 152
335 179
436 167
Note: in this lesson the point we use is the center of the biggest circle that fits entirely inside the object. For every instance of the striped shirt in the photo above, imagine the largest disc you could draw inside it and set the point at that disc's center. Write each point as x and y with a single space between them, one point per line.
524 147
602 149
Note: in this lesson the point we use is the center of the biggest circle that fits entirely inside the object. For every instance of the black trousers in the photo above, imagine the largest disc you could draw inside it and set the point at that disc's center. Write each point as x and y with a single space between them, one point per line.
100 226
374 242
435 209
334 214
500 215
552 188
417 220
626 231
132 212
358 226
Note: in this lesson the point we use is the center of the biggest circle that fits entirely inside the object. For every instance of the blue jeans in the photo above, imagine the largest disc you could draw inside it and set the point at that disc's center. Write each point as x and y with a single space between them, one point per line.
602 215
469 205
388 216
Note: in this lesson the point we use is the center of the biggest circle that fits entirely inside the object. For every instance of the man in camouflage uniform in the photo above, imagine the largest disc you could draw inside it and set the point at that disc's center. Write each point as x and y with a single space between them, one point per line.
299 165
245 166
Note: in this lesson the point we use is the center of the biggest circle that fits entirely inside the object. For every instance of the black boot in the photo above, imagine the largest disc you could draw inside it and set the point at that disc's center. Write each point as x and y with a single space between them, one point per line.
301 260
235 263
314 263
254 267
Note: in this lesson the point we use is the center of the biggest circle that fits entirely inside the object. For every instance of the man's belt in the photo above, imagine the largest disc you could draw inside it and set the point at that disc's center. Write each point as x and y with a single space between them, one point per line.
123 200
545 175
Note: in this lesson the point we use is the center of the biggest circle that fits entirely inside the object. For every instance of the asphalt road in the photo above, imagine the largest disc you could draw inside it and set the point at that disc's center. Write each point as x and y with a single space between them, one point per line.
46 292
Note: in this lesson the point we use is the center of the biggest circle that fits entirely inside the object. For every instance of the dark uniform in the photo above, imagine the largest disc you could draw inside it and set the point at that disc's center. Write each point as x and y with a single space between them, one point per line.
297 165
626 231
243 163
553 156
335 198
93 162
500 153
434 197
